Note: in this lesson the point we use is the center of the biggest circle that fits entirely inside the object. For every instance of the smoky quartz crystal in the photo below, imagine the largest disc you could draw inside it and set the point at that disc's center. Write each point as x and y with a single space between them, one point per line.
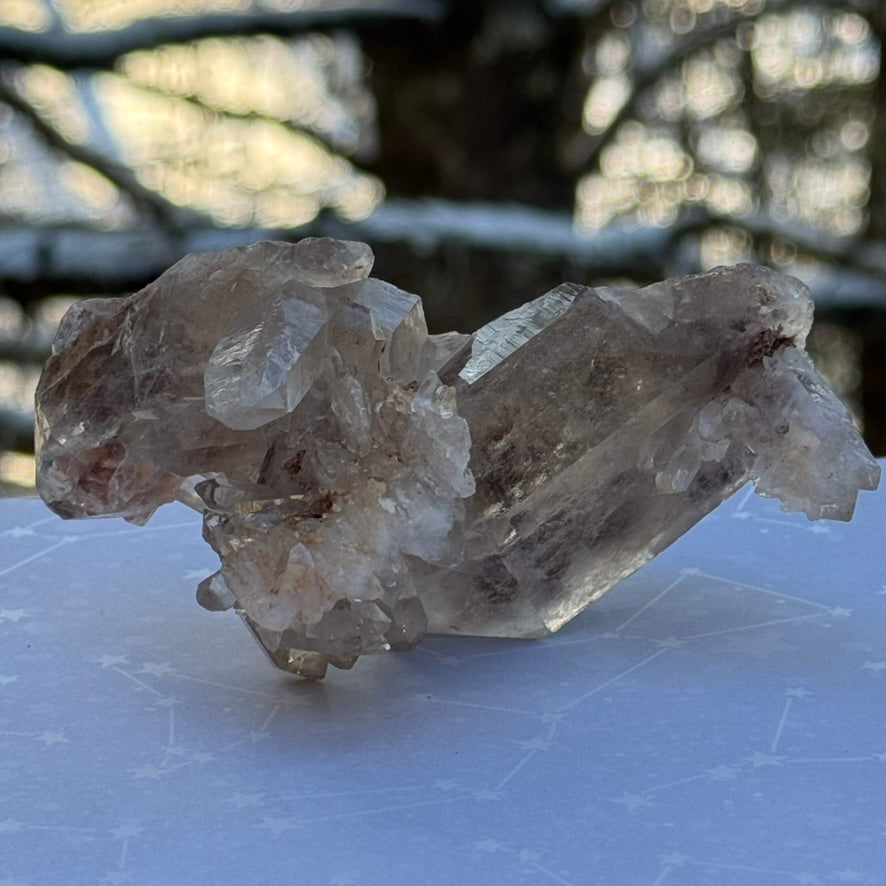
364 482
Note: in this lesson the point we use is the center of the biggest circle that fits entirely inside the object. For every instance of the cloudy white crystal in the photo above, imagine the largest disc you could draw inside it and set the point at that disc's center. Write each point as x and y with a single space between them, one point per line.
364 482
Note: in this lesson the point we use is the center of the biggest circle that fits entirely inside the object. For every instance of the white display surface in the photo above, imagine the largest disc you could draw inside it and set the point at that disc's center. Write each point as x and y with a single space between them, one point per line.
719 718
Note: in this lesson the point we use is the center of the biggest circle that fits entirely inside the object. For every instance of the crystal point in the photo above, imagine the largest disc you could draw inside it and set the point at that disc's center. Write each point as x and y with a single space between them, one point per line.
363 482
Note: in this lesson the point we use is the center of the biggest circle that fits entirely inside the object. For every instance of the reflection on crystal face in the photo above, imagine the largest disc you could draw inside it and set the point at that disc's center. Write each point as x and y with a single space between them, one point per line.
363 482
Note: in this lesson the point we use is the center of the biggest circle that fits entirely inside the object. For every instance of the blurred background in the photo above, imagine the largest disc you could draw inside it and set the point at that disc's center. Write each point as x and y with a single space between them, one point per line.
487 150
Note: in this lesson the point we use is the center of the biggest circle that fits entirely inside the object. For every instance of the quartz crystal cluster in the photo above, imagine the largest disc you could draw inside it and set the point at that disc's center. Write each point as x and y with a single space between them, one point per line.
364 483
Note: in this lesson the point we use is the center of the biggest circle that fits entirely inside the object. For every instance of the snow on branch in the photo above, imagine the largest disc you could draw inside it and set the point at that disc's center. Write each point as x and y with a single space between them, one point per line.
84 259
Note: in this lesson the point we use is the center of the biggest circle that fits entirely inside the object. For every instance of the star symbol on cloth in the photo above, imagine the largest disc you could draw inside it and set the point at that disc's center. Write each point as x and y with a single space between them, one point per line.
246 801
277 826
668 643
111 661
169 701
758 760
17 532
675 859
126 831
446 784
295 700
527 856
632 802
148 771
175 750
50 738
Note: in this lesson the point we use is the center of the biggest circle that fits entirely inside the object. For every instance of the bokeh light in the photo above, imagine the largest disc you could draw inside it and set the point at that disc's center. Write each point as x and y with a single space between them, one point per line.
693 138
28 15
101 15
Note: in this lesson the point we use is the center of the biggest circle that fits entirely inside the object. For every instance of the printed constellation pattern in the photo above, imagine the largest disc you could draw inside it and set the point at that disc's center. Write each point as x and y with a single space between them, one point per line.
692 727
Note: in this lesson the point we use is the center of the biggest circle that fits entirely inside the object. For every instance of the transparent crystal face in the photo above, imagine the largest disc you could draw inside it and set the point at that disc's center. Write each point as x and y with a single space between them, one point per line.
496 341
363 482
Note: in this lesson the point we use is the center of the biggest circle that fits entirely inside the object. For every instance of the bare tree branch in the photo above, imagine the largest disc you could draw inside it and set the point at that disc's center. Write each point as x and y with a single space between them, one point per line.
158 208
64 49
296 128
